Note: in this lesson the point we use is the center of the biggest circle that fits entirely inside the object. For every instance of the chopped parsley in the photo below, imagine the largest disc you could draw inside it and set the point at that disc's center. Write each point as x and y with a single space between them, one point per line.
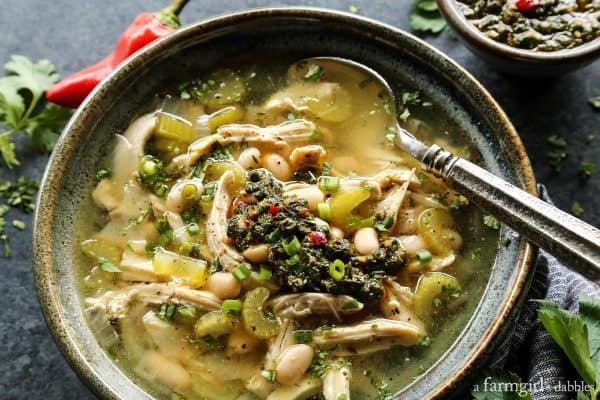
491 221
103 174
595 102
576 209
587 168
354 8
314 72
107 266
18 194
556 141
557 158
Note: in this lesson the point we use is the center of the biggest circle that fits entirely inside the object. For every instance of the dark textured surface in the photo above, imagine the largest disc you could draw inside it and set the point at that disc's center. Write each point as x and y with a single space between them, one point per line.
74 34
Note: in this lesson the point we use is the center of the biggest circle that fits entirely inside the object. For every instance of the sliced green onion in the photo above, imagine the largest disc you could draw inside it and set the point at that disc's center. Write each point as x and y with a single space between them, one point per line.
149 167
324 211
189 191
357 222
329 183
303 336
388 221
269 375
424 256
337 270
293 260
292 247
166 311
193 229
273 236
264 274
241 272
232 307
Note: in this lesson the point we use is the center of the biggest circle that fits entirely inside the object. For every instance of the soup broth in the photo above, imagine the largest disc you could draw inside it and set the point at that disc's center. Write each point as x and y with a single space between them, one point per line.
258 236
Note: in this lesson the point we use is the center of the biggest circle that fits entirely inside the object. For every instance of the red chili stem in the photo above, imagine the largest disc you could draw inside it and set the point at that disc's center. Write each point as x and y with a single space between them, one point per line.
175 7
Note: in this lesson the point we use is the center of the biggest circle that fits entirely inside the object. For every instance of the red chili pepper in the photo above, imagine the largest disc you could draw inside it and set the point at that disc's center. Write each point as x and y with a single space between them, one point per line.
144 29
273 210
317 238
527 5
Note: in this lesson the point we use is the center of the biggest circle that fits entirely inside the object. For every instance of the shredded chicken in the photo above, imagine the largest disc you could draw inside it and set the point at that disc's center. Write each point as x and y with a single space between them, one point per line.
392 203
277 137
310 156
116 303
216 226
368 331
302 305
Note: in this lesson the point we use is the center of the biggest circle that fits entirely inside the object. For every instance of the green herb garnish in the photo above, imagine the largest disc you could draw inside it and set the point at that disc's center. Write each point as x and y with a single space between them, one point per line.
22 108
576 209
491 221
595 102
314 72
587 168
166 311
426 17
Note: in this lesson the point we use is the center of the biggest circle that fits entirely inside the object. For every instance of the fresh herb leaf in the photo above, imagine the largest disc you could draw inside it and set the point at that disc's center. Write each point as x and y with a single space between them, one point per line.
589 138
426 17
572 334
587 168
107 266
556 141
314 72
22 108
354 8
557 158
595 102
576 209
491 221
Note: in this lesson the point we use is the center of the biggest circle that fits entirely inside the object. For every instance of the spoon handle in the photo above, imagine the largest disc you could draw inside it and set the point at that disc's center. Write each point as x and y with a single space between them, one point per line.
569 239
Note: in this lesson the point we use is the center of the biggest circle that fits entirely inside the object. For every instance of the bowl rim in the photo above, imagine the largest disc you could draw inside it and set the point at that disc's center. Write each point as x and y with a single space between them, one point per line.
48 291
475 37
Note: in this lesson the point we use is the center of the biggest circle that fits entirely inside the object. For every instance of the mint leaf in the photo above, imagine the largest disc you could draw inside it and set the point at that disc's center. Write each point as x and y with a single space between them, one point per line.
571 334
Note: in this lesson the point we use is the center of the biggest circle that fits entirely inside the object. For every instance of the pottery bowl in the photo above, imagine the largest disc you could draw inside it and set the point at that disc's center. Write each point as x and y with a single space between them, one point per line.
512 60
398 56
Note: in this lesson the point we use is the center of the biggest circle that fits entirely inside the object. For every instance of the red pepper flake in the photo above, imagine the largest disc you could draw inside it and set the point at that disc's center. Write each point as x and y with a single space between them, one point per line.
303 212
317 238
273 210
527 5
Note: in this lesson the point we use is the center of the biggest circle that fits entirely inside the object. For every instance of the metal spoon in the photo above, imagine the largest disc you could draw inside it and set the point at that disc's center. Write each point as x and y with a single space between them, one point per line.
569 239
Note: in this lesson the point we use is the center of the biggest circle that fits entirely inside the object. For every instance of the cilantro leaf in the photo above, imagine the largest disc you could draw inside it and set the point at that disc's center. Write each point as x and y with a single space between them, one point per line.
571 333
7 150
22 108
426 17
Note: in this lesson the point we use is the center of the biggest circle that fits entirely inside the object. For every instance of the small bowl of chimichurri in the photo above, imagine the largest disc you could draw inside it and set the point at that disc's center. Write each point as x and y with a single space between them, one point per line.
528 37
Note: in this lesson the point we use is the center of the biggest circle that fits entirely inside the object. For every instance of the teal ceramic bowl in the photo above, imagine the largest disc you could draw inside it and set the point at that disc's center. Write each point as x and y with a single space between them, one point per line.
398 56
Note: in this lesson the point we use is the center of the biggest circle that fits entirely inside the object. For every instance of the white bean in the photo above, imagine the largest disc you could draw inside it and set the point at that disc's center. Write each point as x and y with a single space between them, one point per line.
412 244
175 201
311 194
293 363
257 254
223 285
277 165
250 158
366 240
336 233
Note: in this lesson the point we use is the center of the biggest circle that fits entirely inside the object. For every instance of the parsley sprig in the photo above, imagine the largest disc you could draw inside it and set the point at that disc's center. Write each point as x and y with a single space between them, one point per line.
22 106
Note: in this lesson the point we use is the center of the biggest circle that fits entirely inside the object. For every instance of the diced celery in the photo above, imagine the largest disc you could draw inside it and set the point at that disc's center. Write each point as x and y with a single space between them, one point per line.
343 203
253 316
430 286
169 126
434 224
101 250
225 116
172 265
216 169
214 324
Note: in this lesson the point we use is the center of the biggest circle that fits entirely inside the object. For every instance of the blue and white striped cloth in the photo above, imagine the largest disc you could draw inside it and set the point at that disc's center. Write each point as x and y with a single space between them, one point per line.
530 351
